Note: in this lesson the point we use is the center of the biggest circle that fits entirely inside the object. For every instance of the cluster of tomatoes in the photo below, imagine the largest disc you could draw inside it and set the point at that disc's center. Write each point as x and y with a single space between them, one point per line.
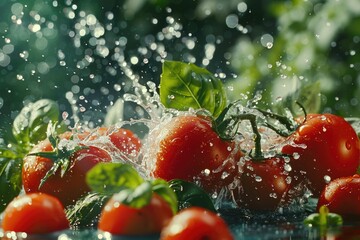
321 154
54 178
319 150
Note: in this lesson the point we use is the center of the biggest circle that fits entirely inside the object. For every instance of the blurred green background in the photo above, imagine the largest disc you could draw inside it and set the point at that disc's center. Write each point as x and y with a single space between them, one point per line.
85 54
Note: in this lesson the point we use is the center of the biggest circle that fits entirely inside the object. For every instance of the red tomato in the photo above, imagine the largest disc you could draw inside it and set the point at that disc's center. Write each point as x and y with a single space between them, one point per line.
123 139
120 219
72 185
324 147
35 213
263 184
196 223
342 196
189 149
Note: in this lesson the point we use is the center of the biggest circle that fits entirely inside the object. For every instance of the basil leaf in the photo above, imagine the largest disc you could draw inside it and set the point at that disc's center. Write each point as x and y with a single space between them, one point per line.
10 180
184 86
162 188
136 198
30 125
307 95
86 211
110 178
189 194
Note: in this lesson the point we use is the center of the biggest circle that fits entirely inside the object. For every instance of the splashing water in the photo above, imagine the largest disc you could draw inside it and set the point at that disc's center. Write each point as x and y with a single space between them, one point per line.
111 64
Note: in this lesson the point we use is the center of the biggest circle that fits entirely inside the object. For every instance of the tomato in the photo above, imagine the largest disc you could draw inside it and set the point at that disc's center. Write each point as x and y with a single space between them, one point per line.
35 213
263 184
123 139
342 196
324 147
72 185
196 223
188 148
120 219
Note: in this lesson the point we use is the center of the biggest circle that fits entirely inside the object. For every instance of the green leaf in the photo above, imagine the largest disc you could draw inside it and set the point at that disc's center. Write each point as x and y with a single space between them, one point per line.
184 86
30 125
189 194
136 198
10 180
307 95
8 153
110 178
86 211
162 188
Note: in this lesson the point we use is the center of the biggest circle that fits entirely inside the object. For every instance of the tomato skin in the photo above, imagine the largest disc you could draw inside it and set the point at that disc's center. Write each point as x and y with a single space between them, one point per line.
123 139
342 196
324 145
35 213
196 223
72 185
189 149
120 219
264 185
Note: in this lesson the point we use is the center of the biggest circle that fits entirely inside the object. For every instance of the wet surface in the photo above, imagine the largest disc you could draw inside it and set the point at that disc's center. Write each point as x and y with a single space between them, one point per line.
285 224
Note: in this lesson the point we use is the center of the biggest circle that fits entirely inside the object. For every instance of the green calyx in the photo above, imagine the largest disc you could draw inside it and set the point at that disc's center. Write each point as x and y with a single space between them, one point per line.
323 218
59 156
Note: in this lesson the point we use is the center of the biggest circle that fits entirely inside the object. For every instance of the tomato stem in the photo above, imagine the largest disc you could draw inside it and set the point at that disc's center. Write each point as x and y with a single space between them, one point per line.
257 136
323 214
222 122
287 122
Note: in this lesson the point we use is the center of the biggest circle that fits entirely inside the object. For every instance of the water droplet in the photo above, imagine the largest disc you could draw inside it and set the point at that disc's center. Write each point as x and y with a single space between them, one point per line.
224 175
348 145
232 21
273 195
206 172
242 7
327 178
288 180
296 155
20 77
323 117
24 54
65 115
258 179
287 167
267 41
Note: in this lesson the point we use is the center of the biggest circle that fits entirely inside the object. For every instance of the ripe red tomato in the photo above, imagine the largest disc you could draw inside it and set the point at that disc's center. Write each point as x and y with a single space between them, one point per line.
196 223
120 219
123 139
72 185
188 148
263 184
324 147
342 196
35 213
